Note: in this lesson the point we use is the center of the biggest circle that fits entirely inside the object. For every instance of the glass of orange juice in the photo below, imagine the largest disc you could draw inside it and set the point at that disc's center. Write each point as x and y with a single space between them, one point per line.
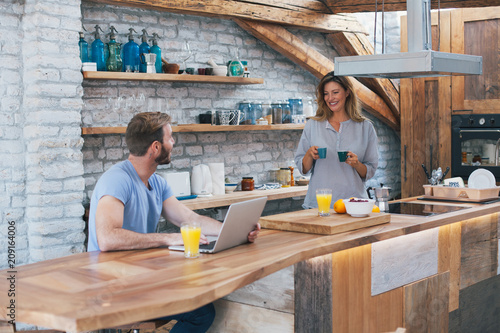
191 232
324 198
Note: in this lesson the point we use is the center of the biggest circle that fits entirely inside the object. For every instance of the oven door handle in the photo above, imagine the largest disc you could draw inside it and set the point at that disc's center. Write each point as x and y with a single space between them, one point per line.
478 131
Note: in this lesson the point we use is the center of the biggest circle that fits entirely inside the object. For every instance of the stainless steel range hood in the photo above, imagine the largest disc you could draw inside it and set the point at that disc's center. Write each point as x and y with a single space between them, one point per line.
419 61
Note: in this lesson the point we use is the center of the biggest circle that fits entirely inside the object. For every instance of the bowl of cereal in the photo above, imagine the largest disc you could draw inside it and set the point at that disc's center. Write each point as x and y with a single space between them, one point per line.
359 207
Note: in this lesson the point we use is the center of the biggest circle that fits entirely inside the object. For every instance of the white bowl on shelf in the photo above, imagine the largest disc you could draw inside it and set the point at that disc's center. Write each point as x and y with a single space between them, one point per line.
220 71
230 187
360 208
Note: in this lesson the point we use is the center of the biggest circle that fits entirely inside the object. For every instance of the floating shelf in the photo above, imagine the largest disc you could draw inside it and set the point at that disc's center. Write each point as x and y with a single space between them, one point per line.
199 128
91 75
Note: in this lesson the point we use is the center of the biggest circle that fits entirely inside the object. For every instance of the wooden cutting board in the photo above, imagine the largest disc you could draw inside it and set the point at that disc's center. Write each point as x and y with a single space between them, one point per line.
308 221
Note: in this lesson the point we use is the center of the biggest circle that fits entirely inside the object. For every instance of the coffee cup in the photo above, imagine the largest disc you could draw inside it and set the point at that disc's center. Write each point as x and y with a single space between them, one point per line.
342 155
226 117
322 152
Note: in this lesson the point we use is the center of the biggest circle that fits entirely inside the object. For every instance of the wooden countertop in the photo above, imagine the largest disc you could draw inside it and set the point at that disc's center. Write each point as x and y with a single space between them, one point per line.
221 200
94 290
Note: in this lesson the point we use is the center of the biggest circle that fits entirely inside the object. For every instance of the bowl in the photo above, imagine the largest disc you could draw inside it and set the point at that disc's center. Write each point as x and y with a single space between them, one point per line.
220 70
230 187
359 207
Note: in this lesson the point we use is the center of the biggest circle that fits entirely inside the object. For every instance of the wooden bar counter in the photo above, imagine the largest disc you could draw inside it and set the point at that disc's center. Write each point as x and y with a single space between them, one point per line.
90 291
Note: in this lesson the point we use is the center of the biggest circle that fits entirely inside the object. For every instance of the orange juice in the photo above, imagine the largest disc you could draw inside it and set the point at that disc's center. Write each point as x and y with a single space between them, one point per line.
191 237
324 199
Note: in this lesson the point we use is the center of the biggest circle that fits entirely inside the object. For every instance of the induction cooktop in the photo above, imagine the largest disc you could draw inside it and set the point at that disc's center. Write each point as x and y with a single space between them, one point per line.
421 209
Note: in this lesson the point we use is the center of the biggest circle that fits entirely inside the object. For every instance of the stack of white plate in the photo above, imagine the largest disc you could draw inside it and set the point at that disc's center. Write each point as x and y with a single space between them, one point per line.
481 178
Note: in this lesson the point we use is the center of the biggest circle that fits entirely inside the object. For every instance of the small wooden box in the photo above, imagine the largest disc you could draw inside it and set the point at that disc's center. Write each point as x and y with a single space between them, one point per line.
441 191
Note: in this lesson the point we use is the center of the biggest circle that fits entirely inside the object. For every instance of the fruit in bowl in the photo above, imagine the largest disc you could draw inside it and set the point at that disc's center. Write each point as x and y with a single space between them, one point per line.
359 207
230 187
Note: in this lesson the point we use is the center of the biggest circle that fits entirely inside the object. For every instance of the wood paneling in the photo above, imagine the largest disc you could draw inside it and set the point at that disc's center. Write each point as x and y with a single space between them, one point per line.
479 250
449 259
426 304
313 277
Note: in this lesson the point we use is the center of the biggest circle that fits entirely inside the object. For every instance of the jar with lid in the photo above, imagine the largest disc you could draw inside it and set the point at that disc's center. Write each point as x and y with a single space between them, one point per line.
287 112
308 108
277 112
267 112
247 184
284 177
256 110
245 118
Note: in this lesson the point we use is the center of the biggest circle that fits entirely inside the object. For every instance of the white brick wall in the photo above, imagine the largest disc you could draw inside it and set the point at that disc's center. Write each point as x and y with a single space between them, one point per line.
46 169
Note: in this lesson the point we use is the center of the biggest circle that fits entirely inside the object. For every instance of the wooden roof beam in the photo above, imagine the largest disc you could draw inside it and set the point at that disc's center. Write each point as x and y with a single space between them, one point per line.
311 60
357 6
271 11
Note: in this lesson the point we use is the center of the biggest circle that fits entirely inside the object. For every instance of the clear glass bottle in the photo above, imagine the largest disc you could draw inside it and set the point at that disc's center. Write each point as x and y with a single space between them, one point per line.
287 112
114 62
235 66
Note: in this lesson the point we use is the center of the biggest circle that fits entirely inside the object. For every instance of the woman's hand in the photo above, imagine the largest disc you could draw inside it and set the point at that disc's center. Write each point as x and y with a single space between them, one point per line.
310 156
352 160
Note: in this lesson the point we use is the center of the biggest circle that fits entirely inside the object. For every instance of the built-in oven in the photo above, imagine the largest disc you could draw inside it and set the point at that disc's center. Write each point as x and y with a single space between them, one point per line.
475 143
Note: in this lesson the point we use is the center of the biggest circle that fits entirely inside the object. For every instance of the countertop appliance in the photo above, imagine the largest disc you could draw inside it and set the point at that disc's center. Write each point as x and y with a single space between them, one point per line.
474 134
421 209
179 182
201 180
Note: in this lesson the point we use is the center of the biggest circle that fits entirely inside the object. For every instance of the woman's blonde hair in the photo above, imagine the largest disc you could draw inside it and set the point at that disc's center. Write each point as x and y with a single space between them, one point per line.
352 107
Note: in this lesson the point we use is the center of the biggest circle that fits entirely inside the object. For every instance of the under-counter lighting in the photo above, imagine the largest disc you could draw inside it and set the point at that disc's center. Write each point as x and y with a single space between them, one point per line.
419 61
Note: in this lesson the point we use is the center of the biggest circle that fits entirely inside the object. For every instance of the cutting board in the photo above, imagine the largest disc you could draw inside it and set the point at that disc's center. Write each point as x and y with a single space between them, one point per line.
308 221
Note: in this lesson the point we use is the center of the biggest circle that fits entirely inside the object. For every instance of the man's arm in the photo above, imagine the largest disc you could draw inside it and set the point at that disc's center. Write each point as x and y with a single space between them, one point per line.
111 235
176 212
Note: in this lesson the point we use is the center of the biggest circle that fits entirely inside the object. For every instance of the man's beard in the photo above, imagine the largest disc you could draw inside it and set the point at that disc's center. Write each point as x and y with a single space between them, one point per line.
164 157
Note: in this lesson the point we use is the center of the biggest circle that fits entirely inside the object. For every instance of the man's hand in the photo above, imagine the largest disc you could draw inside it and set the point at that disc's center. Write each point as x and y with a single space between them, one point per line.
252 236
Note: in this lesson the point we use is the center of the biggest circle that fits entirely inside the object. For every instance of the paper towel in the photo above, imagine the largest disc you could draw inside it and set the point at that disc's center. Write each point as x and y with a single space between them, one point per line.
217 172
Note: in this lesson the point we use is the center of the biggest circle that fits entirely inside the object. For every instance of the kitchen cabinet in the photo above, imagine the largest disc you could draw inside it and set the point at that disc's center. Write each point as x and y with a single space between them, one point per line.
427 103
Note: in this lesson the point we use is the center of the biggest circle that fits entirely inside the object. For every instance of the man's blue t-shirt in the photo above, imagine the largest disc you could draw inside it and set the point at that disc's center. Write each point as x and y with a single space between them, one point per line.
143 206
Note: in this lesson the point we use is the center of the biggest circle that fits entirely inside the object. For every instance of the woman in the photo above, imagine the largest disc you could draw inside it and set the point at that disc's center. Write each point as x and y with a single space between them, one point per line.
339 126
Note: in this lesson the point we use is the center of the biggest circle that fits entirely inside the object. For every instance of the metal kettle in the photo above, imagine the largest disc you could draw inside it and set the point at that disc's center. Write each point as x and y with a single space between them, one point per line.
382 196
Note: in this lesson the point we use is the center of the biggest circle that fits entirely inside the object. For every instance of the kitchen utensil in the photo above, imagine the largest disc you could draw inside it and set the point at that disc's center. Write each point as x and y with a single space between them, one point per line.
382 197
359 207
201 180
149 59
426 172
444 174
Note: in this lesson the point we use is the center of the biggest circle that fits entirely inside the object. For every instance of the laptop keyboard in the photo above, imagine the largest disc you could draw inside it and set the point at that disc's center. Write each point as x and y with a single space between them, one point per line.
208 246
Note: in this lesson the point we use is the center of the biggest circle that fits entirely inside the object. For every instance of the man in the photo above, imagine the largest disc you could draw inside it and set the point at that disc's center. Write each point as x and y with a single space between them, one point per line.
129 198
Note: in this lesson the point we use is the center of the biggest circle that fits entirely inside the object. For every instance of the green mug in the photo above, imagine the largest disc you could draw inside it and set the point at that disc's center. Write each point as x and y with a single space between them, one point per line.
342 155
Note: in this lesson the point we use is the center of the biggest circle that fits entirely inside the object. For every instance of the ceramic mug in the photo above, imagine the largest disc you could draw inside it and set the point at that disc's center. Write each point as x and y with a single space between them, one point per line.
226 117
235 117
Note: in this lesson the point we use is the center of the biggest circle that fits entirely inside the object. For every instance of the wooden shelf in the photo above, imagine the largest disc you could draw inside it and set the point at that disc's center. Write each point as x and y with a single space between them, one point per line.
91 75
199 128
221 200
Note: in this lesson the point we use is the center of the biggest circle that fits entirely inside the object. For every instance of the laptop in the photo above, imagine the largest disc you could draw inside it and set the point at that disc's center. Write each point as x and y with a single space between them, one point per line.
241 218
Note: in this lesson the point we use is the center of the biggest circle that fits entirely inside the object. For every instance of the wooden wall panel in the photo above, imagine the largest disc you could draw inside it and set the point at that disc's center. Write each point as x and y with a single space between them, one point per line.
426 305
354 309
479 249
394 262
313 278
449 259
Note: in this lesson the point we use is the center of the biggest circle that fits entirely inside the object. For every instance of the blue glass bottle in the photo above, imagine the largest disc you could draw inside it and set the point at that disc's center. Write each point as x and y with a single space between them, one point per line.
131 59
98 50
84 48
144 48
156 50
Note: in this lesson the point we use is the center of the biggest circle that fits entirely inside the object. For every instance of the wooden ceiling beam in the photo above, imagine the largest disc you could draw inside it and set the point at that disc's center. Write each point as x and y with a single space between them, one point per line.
302 14
357 6
349 44
311 60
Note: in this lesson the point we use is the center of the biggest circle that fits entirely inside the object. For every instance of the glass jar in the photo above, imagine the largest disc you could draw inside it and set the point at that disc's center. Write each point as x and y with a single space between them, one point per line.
287 112
247 184
284 177
245 117
277 112
267 112
256 108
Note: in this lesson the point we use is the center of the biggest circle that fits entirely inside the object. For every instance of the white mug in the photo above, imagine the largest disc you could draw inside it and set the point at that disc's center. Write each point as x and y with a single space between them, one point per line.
226 117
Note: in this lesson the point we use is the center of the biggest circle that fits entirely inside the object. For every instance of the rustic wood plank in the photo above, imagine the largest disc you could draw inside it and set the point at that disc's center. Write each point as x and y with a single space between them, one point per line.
349 44
233 317
311 60
284 15
354 309
449 260
426 304
355 6
313 277
392 265
479 250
